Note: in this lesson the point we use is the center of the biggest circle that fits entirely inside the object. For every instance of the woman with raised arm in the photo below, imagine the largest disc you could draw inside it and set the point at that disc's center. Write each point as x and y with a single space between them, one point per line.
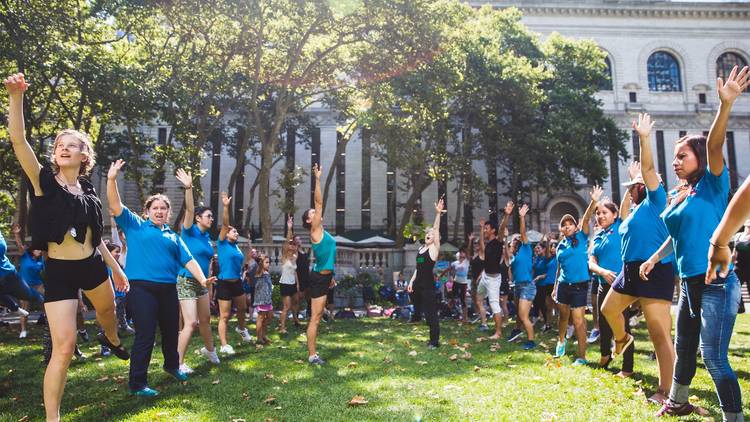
155 257
67 216
521 266
422 282
194 301
289 282
229 289
643 232
572 281
708 305
476 267
491 253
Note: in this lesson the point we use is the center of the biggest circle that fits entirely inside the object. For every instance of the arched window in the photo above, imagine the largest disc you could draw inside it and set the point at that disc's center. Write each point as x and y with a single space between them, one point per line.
663 73
606 84
726 62
558 211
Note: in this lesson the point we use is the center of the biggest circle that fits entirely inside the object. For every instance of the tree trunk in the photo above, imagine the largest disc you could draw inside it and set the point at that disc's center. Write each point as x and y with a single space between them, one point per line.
340 147
264 176
459 205
239 166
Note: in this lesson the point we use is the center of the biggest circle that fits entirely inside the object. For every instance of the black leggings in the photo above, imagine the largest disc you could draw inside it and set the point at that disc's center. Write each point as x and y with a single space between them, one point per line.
540 303
425 301
605 333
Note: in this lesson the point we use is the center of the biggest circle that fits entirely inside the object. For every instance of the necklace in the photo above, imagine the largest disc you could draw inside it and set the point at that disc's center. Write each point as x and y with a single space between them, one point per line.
73 185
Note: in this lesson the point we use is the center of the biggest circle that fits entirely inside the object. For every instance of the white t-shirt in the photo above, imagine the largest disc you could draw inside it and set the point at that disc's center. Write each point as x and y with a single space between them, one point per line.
289 272
461 269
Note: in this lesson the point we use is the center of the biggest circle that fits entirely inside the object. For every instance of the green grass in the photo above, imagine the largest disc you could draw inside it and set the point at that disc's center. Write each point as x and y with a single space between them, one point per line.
368 357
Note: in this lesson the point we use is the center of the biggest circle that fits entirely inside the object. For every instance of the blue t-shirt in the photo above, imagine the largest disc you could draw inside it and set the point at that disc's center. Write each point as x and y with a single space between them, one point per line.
521 264
692 222
539 263
30 269
549 279
230 260
154 253
643 232
574 259
199 245
6 267
607 249
325 253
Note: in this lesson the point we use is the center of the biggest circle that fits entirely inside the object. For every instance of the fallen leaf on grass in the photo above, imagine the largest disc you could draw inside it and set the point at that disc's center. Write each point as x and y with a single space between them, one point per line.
476 368
245 396
453 357
269 400
268 376
453 342
466 356
285 381
694 398
357 401
466 345
352 365
639 382
387 360
639 392
421 362
298 361
24 418
102 379
215 382
481 339
512 366
544 346
238 420
413 353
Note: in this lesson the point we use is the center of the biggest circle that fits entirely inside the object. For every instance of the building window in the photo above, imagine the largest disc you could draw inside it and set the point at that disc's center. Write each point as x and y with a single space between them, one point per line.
614 175
215 171
633 97
726 62
494 212
606 84
732 158
661 157
636 145
390 199
683 133
290 153
663 73
314 159
702 98
340 189
366 166
162 137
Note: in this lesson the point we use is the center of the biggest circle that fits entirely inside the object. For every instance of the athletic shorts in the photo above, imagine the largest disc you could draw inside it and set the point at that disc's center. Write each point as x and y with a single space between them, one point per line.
65 277
660 283
574 295
459 291
189 288
288 289
229 289
526 290
489 287
505 287
319 284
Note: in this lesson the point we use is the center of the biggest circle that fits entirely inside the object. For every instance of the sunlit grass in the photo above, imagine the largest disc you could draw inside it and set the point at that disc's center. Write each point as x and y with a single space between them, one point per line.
383 360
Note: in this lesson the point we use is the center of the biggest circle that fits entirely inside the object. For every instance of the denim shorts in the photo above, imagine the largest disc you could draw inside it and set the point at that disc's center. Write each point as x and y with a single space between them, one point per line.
526 290
574 295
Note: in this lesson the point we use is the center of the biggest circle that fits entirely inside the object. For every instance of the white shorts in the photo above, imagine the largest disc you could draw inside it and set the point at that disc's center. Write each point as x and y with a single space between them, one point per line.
489 287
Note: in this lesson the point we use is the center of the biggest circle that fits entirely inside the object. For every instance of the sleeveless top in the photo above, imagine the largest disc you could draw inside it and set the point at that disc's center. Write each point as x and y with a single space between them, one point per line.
425 265
288 272
325 253
58 211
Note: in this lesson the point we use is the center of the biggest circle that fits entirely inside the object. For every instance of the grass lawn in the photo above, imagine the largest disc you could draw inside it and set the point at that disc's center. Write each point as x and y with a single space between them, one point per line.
384 361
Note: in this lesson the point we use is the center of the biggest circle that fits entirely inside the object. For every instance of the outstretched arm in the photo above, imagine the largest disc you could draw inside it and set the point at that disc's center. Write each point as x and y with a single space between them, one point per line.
522 214
113 195
481 239
316 231
187 183
728 92
225 223
16 85
17 236
644 127
289 235
435 247
596 195
507 212
719 255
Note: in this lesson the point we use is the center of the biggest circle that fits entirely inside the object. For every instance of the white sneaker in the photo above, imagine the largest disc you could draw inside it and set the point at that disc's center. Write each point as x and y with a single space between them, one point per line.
186 369
211 356
244 334
226 349
569 332
23 334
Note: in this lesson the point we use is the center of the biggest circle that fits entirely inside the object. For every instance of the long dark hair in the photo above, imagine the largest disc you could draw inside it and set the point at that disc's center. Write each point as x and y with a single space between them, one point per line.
697 144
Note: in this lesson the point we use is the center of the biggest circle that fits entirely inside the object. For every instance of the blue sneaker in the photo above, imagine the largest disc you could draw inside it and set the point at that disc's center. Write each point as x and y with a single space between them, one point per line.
145 392
560 349
514 335
484 327
177 374
316 360
580 362
529 345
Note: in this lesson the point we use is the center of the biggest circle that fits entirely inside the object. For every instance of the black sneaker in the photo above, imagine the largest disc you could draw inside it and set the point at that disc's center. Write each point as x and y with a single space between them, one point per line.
514 335
118 350
84 335
78 354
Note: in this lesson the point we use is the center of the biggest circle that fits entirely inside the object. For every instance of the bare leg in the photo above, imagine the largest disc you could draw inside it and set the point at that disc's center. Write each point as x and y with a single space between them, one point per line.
612 307
524 306
562 321
595 308
189 310
25 305
225 308
239 303
317 304
579 322
259 326
61 316
659 324
286 305
204 322
103 299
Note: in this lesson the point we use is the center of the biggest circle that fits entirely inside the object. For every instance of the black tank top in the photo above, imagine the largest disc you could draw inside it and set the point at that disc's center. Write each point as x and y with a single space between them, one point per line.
743 259
476 266
425 265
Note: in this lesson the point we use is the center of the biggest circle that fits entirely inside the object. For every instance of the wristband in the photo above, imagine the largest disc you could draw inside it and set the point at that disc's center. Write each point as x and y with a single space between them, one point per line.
718 246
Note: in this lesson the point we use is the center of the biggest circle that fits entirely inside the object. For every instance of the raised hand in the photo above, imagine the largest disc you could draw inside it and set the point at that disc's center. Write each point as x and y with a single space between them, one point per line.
185 178
644 125
634 169
481 223
316 171
290 222
114 169
16 84
523 210
734 85
16 228
439 206
509 208
596 193
225 199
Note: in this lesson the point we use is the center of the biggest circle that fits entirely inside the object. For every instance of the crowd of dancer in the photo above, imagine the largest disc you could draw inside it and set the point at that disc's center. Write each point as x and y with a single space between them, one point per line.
636 251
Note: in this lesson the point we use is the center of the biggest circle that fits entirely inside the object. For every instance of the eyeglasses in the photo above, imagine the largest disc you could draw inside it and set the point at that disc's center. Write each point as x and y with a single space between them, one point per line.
210 217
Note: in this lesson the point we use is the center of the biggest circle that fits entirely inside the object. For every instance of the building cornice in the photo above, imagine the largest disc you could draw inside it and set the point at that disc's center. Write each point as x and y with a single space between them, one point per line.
629 9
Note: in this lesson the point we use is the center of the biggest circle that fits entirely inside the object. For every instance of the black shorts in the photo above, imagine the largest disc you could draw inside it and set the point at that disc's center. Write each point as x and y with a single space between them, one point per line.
65 277
319 284
304 283
660 284
288 289
505 287
330 296
228 290
574 295
459 292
